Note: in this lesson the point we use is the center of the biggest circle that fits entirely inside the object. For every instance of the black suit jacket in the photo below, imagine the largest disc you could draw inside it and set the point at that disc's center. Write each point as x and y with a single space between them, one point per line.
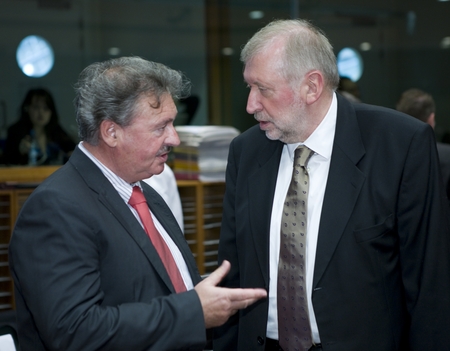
444 161
88 278
382 272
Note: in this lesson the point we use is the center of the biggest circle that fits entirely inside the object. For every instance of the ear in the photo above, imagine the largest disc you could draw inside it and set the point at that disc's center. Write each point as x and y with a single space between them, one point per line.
314 85
431 120
108 133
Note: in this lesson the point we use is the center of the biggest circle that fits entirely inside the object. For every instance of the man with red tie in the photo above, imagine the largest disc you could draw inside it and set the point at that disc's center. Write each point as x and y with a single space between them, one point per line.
98 259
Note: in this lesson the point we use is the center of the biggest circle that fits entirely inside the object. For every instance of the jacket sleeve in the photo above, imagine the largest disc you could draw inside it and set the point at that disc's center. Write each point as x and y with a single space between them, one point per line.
424 232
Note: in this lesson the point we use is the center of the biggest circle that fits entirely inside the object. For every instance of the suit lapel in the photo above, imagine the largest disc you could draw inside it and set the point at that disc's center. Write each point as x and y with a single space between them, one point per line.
261 185
110 198
343 187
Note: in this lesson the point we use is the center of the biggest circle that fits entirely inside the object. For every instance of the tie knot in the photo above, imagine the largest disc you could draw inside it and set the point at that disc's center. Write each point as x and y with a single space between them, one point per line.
137 197
302 155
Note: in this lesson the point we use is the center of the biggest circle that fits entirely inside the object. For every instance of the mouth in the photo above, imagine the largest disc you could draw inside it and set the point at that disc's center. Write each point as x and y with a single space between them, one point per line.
261 121
263 124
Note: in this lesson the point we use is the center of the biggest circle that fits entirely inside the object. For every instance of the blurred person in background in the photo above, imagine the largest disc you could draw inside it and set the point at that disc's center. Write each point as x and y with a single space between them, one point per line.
420 104
37 138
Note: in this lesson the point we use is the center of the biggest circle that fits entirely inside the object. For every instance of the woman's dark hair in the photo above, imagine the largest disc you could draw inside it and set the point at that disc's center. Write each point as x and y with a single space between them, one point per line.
25 116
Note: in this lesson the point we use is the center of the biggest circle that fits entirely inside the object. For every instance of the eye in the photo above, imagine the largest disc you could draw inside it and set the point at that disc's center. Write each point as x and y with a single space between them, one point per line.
259 87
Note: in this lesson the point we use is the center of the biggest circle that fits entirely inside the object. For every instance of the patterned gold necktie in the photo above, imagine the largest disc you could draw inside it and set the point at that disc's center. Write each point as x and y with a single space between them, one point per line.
293 319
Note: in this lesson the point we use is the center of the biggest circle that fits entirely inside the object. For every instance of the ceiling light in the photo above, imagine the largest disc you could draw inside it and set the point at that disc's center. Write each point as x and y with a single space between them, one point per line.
366 46
35 56
227 51
256 14
445 43
350 64
114 51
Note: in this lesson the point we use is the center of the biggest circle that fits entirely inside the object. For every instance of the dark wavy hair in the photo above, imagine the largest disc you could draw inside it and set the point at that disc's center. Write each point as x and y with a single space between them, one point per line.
25 120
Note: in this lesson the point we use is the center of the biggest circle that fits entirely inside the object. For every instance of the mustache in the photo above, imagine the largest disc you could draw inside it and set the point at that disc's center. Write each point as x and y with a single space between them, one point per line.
164 150
261 117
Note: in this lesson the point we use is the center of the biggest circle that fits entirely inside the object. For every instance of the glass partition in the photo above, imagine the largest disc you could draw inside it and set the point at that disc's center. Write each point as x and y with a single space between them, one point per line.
402 44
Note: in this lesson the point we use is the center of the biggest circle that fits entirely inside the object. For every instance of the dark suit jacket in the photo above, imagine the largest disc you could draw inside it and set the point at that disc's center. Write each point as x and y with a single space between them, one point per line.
88 278
382 271
444 160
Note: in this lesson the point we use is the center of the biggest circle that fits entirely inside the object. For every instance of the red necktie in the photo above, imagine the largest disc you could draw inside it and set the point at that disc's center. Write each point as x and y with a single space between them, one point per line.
138 202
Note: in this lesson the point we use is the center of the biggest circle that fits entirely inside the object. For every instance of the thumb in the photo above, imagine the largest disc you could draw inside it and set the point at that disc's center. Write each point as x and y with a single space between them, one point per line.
216 277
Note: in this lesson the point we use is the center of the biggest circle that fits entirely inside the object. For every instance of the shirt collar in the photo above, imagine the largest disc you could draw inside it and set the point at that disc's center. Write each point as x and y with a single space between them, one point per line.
321 140
123 188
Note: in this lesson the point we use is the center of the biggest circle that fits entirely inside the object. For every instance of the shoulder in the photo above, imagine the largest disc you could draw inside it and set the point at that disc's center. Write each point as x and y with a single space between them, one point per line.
17 128
386 123
390 117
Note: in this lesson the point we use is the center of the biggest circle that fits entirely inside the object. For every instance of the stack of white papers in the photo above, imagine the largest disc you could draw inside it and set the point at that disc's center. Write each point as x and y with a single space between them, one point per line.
203 152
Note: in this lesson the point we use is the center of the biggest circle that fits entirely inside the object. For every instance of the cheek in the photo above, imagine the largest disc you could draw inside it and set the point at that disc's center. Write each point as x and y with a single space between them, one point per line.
144 149
279 102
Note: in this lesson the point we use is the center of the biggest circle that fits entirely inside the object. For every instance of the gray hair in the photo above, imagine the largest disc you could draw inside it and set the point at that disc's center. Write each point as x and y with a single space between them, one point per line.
109 90
306 48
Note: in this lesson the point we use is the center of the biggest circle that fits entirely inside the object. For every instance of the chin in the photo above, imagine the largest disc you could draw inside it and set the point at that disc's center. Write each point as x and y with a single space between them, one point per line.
272 135
158 169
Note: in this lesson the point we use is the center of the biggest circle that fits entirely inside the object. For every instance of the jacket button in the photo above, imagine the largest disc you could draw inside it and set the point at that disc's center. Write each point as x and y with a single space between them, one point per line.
260 340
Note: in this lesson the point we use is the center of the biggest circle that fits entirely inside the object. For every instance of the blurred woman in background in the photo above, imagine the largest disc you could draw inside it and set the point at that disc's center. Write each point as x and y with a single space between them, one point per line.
37 138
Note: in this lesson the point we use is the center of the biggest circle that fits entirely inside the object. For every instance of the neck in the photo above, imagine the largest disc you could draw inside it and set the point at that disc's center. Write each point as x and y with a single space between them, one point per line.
105 155
316 113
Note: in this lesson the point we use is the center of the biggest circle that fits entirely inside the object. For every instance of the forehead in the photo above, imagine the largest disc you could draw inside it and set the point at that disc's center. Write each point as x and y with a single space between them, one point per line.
266 64
38 99
149 106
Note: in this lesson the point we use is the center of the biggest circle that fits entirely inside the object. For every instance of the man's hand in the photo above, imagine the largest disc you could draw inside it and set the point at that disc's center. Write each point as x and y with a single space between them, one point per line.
220 303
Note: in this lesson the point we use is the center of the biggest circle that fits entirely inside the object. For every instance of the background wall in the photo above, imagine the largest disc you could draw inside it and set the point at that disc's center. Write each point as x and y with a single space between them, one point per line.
82 31
405 37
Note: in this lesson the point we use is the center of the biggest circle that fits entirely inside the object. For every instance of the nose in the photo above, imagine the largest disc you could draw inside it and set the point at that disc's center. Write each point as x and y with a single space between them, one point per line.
253 104
173 138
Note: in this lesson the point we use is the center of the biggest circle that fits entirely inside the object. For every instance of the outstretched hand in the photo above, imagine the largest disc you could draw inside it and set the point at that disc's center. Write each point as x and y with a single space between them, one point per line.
220 303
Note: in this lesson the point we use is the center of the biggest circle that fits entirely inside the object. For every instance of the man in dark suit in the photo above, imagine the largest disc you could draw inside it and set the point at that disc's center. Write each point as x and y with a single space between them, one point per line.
419 104
376 267
87 276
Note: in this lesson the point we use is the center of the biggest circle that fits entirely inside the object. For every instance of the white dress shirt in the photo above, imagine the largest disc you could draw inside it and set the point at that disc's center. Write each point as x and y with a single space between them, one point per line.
321 142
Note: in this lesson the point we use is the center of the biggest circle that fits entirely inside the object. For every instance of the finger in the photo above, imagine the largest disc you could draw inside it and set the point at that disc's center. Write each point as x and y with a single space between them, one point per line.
247 294
216 277
240 304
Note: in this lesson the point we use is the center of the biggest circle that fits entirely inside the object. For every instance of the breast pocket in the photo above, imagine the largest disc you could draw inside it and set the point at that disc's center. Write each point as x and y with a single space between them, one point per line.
375 231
